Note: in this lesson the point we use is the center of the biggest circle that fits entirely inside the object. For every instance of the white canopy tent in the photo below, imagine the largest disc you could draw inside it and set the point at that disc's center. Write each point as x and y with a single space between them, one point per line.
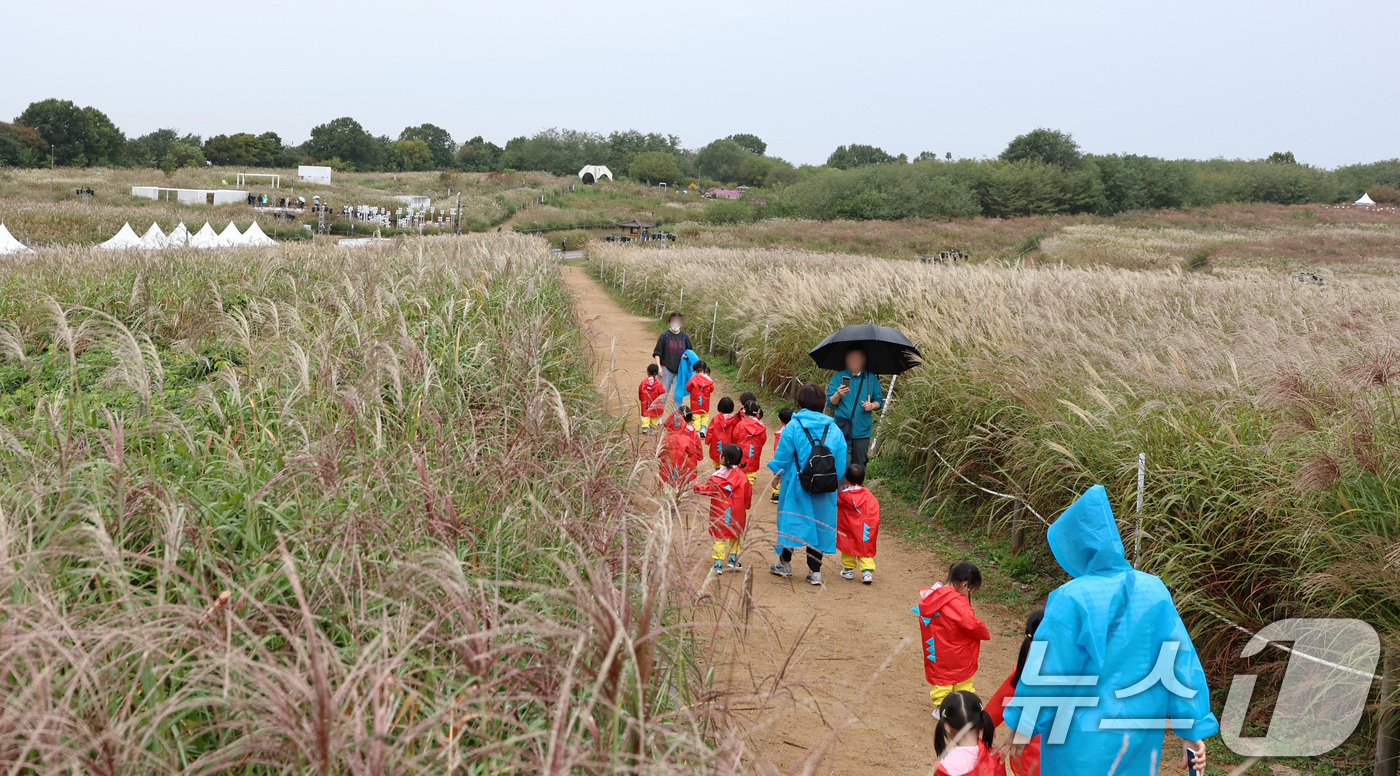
256 236
123 240
154 238
179 237
1365 200
594 172
230 237
9 245
205 239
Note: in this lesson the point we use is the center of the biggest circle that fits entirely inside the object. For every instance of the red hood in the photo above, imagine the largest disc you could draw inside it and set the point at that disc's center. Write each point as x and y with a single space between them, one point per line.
935 598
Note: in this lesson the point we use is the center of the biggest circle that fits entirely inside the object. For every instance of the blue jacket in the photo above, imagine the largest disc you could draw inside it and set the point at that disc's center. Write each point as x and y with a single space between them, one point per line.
1114 623
804 519
869 390
683 375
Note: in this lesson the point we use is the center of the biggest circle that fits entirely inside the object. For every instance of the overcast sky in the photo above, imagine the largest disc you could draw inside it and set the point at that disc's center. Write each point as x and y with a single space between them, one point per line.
1181 79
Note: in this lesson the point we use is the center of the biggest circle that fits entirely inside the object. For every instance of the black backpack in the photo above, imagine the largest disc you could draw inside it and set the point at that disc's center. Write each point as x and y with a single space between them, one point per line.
819 474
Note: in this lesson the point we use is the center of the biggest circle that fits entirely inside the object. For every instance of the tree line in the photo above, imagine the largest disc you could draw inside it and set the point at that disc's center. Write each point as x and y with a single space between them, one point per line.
1041 172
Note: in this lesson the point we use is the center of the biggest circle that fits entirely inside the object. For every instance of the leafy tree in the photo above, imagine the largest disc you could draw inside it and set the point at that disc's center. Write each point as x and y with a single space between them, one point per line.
857 155
410 155
884 191
438 140
478 155
1282 157
654 167
78 135
346 140
1048 146
729 211
752 143
181 154
756 170
720 160
21 146
623 147
148 149
244 149
1354 179
556 151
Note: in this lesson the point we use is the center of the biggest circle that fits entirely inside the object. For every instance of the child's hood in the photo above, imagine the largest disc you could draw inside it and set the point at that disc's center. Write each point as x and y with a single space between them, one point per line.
935 598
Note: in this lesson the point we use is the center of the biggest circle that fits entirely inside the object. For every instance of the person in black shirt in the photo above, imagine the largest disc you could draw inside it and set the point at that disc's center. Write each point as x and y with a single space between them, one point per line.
670 346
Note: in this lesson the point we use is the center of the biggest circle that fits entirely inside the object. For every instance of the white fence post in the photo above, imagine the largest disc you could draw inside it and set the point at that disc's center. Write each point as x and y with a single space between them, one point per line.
763 368
714 320
884 407
1137 534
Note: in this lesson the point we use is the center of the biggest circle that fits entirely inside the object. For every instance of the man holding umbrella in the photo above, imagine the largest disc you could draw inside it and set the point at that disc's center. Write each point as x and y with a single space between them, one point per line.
854 394
859 355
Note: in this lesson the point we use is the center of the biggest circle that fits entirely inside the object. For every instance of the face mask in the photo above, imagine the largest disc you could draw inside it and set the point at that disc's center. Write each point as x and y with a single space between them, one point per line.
675 327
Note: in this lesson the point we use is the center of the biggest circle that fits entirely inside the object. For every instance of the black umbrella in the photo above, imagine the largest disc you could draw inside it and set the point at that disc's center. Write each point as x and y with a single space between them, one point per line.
887 351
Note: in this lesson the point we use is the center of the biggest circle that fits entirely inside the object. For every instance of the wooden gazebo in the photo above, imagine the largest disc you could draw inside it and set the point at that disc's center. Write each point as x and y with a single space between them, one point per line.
636 229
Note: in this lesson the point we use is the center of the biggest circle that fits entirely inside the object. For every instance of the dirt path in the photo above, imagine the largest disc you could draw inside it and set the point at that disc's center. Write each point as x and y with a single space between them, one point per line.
823 719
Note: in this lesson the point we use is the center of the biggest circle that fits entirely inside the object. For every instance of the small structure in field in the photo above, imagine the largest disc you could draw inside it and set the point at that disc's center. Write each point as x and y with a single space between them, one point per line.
593 173
416 201
726 193
191 196
310 173
636 229
1365 201
8 244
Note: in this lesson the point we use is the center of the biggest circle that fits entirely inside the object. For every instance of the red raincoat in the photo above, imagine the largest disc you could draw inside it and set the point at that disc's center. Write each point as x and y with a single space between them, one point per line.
750 435
1028 764
952 635
680 452
700 387
719 433
857 521
731 497
989 763
651 394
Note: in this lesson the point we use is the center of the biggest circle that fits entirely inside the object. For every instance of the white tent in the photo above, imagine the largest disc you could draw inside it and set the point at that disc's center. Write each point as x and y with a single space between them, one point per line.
122 241
256 236
179 237
153 239
230 236
594 172
205 238
1365 200
8 244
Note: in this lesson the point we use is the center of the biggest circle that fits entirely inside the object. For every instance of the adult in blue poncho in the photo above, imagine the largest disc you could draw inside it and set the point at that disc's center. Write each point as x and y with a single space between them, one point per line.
805 519
1119 625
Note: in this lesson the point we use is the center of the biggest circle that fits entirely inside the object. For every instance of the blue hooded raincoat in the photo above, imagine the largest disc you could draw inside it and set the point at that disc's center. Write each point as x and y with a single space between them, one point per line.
683 375
1117 624
804 519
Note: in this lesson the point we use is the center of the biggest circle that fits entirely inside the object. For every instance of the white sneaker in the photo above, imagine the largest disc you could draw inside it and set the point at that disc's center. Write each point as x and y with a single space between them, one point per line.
780 569
848 573
867 576
814 579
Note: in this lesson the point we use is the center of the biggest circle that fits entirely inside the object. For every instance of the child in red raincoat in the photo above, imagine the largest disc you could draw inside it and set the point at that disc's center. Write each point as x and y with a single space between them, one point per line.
731 497
784 417
951 632
963 740
700 388
652 396
680 452
721 424
857 525
750 435
1027 763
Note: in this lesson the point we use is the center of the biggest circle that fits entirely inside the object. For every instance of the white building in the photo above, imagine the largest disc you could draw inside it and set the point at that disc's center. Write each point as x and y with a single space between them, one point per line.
416 201
312 174
192 196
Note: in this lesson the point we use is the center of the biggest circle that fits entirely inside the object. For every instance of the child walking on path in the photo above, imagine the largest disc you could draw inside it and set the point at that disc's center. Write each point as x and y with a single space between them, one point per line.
784 417
731 497
750 435
652 396
720 427
952 633
1027 762
701 385
680 452
857 525
963 740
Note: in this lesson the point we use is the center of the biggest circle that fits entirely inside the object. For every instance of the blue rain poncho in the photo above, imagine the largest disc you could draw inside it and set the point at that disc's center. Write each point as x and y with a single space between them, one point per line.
805 519
683 375
1117 624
